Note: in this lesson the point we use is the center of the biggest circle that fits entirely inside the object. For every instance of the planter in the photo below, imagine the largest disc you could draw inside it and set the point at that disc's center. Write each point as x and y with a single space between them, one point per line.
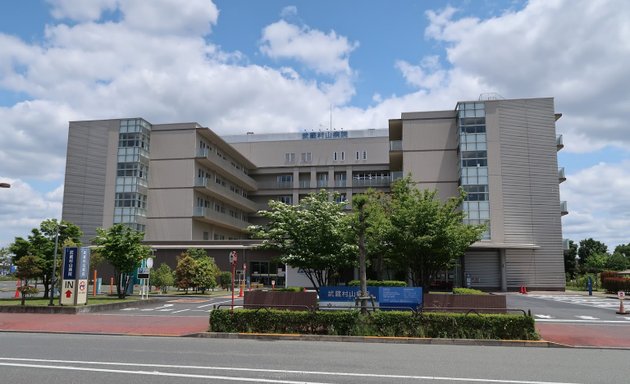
297 301
464 303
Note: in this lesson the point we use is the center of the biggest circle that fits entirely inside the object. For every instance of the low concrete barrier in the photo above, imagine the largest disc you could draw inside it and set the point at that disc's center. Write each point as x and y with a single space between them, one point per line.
464 303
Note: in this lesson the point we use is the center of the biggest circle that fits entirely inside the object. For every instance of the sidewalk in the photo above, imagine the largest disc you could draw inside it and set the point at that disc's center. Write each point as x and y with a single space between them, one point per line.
103 324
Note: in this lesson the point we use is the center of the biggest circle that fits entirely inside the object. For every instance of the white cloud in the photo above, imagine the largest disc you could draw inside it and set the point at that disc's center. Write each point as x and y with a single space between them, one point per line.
572 50
324 53
599 203
22 208
427 75
80 10
289 11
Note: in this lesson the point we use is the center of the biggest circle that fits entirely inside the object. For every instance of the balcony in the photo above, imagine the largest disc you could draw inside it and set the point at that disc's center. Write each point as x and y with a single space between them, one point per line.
564 210
222 193
559 142
340 183
395 145
221 219
213 161
373 182
305 183
561 176
396 175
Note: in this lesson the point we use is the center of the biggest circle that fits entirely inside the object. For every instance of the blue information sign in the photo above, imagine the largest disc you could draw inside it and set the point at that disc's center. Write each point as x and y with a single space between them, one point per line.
400 297
70 263
84 263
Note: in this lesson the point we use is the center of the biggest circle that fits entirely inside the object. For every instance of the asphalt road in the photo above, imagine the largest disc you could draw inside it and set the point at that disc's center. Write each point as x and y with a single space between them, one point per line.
63 359
196 306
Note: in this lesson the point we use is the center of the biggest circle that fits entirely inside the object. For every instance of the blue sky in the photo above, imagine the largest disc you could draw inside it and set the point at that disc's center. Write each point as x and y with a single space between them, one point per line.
275 65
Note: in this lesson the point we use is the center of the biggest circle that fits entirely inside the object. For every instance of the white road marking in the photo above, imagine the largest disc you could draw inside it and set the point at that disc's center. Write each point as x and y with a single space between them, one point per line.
544 316
181 310
583 321
587 317
13 363
166 310
129 309
215 303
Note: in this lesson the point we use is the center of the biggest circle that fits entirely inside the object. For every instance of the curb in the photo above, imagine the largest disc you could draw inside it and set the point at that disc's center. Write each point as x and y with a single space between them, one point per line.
379 339
73 310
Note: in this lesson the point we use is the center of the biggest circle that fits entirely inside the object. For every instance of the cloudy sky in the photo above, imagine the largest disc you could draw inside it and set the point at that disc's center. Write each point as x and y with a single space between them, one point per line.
276 66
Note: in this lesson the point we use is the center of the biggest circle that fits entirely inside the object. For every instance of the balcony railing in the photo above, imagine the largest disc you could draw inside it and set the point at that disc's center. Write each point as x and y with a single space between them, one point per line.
564 210
225 194
322 183
305 183
374 182
395 145
340 183
396 175
225 166
219 218
561 175
559 142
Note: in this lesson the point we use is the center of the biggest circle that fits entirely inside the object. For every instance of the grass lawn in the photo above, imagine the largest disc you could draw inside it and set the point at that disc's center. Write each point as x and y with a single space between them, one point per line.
39 302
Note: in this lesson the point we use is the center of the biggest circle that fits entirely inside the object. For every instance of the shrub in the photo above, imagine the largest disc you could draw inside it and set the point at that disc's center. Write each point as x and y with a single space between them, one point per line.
468 291
380 323
289 289
378 283
225 280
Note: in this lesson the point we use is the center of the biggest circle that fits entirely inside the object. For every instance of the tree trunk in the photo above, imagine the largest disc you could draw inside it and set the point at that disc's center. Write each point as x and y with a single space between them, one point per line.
362 267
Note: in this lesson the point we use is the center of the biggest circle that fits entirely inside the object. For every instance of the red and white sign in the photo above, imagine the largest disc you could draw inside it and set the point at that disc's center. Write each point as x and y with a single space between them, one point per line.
621 294
82 289
67 292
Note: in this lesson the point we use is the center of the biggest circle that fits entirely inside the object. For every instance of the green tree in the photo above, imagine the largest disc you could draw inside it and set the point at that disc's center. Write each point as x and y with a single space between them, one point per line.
596 263
121 246
5 260
589 247
427 235
570 264
28 267
206 272
617 262
41 243
163 277
185 272
312 236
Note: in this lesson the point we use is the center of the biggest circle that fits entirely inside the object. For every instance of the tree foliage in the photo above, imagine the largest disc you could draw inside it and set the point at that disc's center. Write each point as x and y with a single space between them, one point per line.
313 236
195 269
28 267
122 247
570 264
163 277
590 247
425 234
41 243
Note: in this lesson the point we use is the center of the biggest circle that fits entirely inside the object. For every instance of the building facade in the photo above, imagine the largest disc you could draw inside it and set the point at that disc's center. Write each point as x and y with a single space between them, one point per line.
185 186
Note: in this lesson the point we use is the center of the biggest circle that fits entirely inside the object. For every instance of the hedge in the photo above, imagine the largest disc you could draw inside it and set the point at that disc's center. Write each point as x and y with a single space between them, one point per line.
378 283
468 291
380 323
616 284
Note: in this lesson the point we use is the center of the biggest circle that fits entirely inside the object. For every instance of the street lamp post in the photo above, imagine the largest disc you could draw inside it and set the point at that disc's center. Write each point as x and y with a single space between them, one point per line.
53 280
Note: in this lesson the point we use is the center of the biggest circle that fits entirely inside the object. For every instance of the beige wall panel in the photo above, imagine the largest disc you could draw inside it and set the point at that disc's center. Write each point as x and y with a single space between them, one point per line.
173 145
429 134
170 203
172 173
111 169
172 229
445 190
432 166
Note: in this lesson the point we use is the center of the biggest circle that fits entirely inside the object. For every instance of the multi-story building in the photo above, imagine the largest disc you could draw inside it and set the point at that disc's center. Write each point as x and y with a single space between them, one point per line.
184 186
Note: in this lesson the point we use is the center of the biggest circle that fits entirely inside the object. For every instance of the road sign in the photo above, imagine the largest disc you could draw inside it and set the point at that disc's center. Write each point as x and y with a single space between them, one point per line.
233 257
83 266
621 294
143 273
149 263
67 292
81 295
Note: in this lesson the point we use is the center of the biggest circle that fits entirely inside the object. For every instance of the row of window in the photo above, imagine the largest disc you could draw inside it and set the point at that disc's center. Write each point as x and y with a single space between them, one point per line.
131 199
307 157
134 169
205 146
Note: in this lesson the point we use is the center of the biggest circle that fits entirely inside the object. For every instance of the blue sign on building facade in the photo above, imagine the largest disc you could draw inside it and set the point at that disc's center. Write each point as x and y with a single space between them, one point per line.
70 263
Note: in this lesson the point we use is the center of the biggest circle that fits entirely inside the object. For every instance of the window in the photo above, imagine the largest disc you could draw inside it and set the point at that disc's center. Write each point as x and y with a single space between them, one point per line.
289 158
335 156
307 157
364 155
285 181
474 159
476 192
357 157
206 236
343 156
286 199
